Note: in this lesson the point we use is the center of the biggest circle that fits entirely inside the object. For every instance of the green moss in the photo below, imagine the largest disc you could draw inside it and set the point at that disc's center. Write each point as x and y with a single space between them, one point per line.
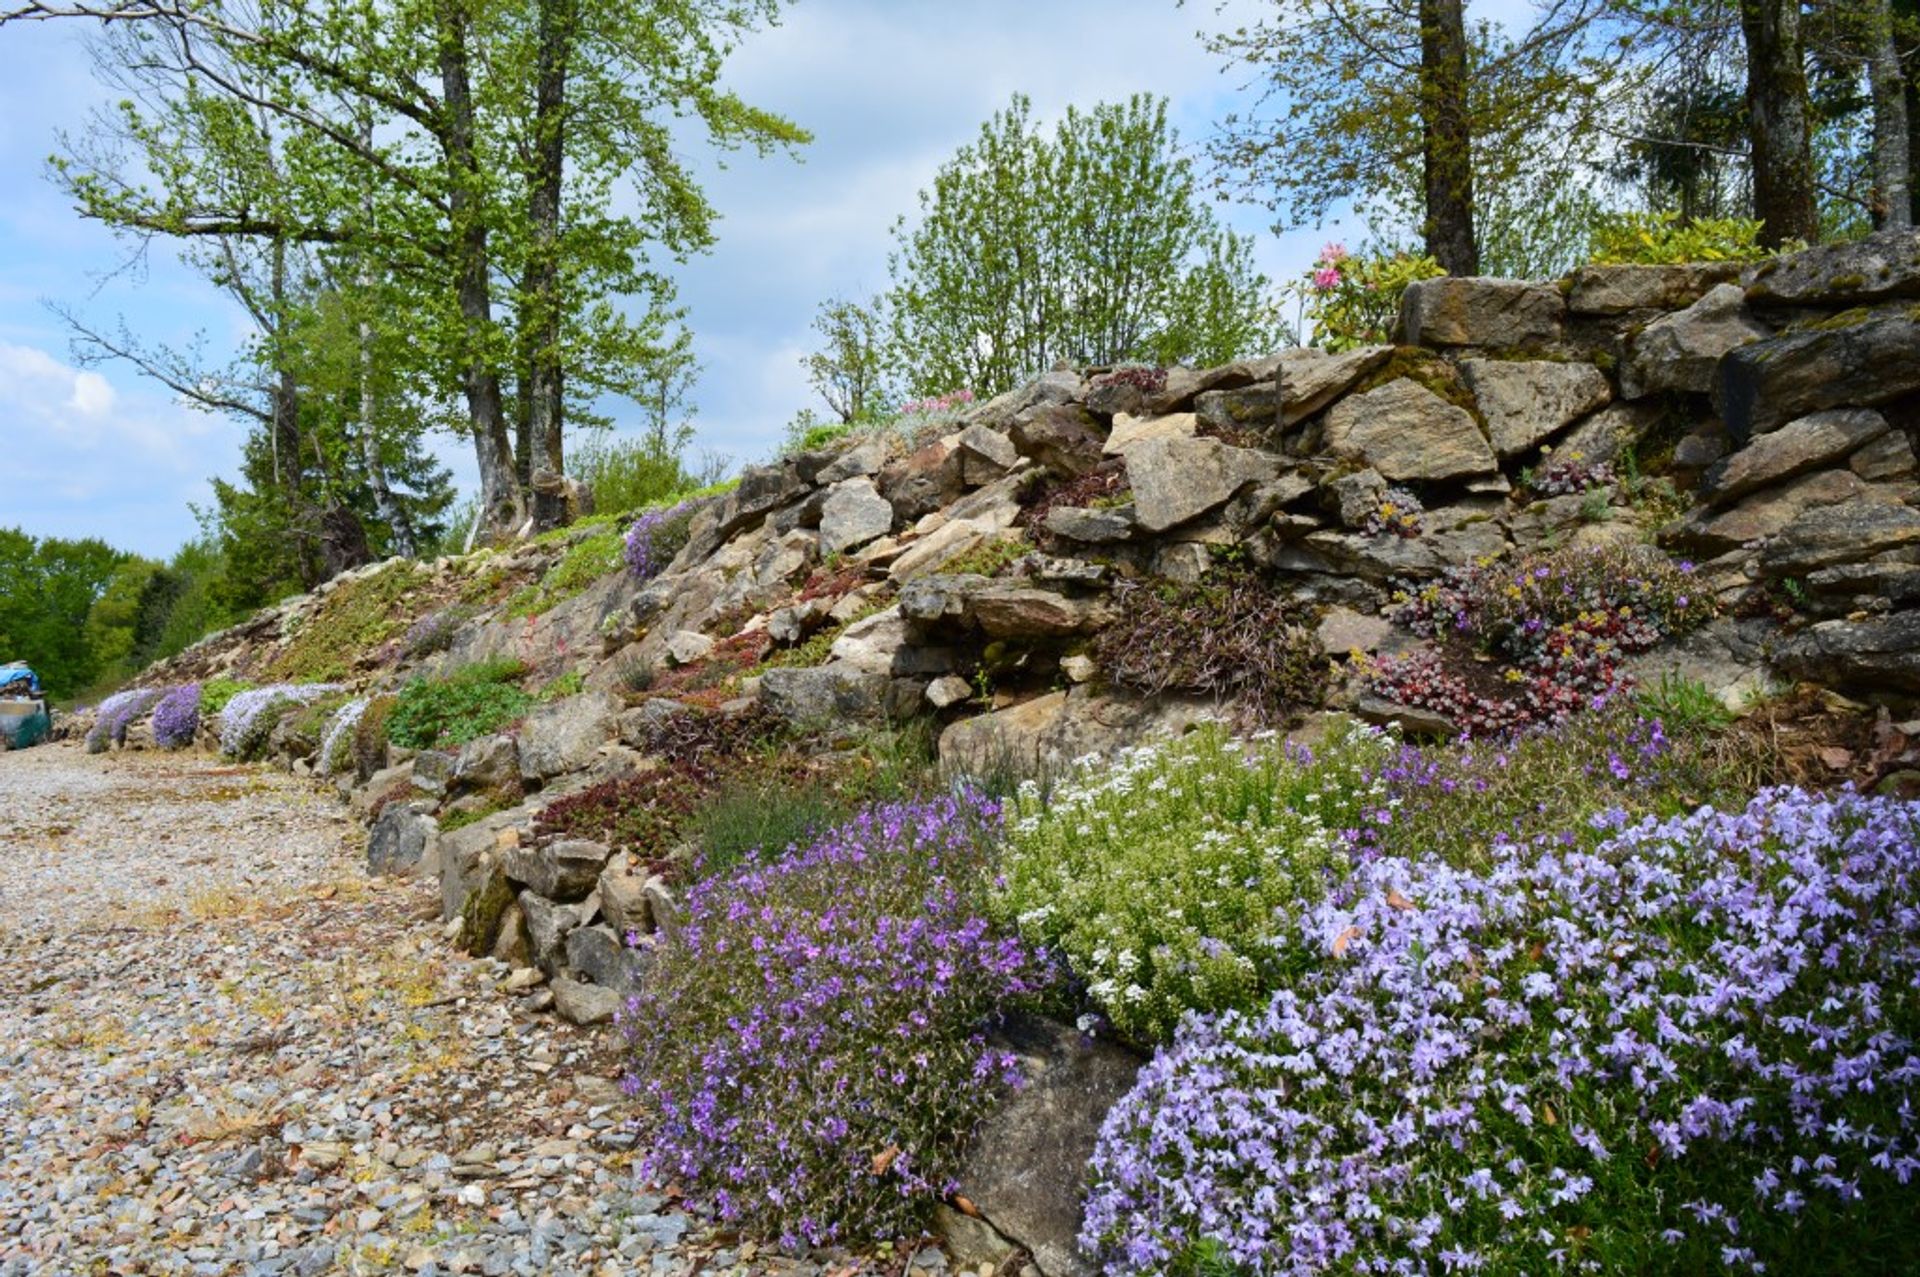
480 916
1427 369
576 530
994 556
1852 318
571 683
351 621
1848 281
584 563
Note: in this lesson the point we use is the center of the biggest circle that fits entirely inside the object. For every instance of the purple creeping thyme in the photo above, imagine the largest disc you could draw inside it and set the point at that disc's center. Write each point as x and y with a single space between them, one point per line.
656 537
176 719
1682 1046
812 1039
117 713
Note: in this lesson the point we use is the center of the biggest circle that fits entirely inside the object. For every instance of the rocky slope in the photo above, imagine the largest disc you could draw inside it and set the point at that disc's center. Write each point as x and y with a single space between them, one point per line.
974 569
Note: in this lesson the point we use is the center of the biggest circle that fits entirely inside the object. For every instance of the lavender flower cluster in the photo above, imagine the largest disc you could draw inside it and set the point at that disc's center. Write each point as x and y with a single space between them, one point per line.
249 717
1681 1045
656 537
176 719
432 633
813 1039
117 713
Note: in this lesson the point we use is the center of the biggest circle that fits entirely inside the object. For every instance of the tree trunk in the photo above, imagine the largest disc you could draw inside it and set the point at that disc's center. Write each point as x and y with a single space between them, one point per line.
1892 176
1779 134
545 374
390 512
500 503
1447 137
1906 16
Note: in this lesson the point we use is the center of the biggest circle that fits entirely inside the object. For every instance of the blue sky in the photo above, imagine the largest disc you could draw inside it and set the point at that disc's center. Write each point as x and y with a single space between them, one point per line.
889 87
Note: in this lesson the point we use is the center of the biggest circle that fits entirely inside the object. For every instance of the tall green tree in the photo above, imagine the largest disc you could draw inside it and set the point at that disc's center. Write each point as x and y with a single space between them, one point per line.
1419 119
1085 244
850 370
47 588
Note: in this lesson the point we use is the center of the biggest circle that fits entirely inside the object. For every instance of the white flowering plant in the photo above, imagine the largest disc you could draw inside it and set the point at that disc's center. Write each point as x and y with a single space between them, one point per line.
1158 877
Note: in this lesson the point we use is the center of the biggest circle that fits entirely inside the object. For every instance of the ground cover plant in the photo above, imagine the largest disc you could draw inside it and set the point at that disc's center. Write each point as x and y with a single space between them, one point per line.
357 617
586 561
864 965
176 717
466 703
117 713
1158 877
1557 624
1679 1045
248 718
1231 636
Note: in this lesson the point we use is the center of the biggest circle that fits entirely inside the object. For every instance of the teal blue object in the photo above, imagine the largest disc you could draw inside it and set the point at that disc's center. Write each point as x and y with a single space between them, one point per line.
18 731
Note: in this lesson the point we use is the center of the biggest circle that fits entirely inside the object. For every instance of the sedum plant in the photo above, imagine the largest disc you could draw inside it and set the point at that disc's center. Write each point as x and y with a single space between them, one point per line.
1157 877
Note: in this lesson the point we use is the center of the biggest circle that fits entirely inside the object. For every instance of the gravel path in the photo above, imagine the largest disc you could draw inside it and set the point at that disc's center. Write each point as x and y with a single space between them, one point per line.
224 1050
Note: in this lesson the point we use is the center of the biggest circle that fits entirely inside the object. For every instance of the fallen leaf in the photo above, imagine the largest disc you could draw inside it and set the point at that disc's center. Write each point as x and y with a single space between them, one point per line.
1397 901
883 1161
1548 1116
965 1206
1345 938
1837 758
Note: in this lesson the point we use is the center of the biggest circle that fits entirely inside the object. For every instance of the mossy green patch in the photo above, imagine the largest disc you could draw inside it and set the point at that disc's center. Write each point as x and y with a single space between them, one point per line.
351 621
584 563
1427 369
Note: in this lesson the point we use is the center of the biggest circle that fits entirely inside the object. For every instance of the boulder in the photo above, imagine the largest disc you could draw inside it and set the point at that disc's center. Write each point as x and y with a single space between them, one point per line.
564 736
1342 630
599 955
945 693
1130 430
1471 311
1879 268
1308 385
1710 532
623 898
1051 731
1382 559
1879 654
565 870
1405 431
941 598
1064 438
1611 431
1835 534
1090 527
1250 408
1175 480
402 842
986 454
1526 402
1017 612
822 695
1025 1169
433 772
549 923
1682 350
864 458
1355 497
1413 720
855 513
884 644
1727 657
488 762
1856 360
918 484
1618 290
584 1004
684 647
1889 457
1184 385
638 725
1806 443
377 787
470 859
1057 387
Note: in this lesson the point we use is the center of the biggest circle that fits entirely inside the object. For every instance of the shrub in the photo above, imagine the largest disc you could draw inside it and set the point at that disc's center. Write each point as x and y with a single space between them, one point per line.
1655 239
467 703
176 718
642 811
1230 636
628 474
1689 1048
1355 301
813 1038
656 537
249 718
1157 877
117 713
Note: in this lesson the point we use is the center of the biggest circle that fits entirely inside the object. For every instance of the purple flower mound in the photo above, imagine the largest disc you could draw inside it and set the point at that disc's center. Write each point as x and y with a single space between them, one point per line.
812 1042
176 719
656 537
1676 1047
117 713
